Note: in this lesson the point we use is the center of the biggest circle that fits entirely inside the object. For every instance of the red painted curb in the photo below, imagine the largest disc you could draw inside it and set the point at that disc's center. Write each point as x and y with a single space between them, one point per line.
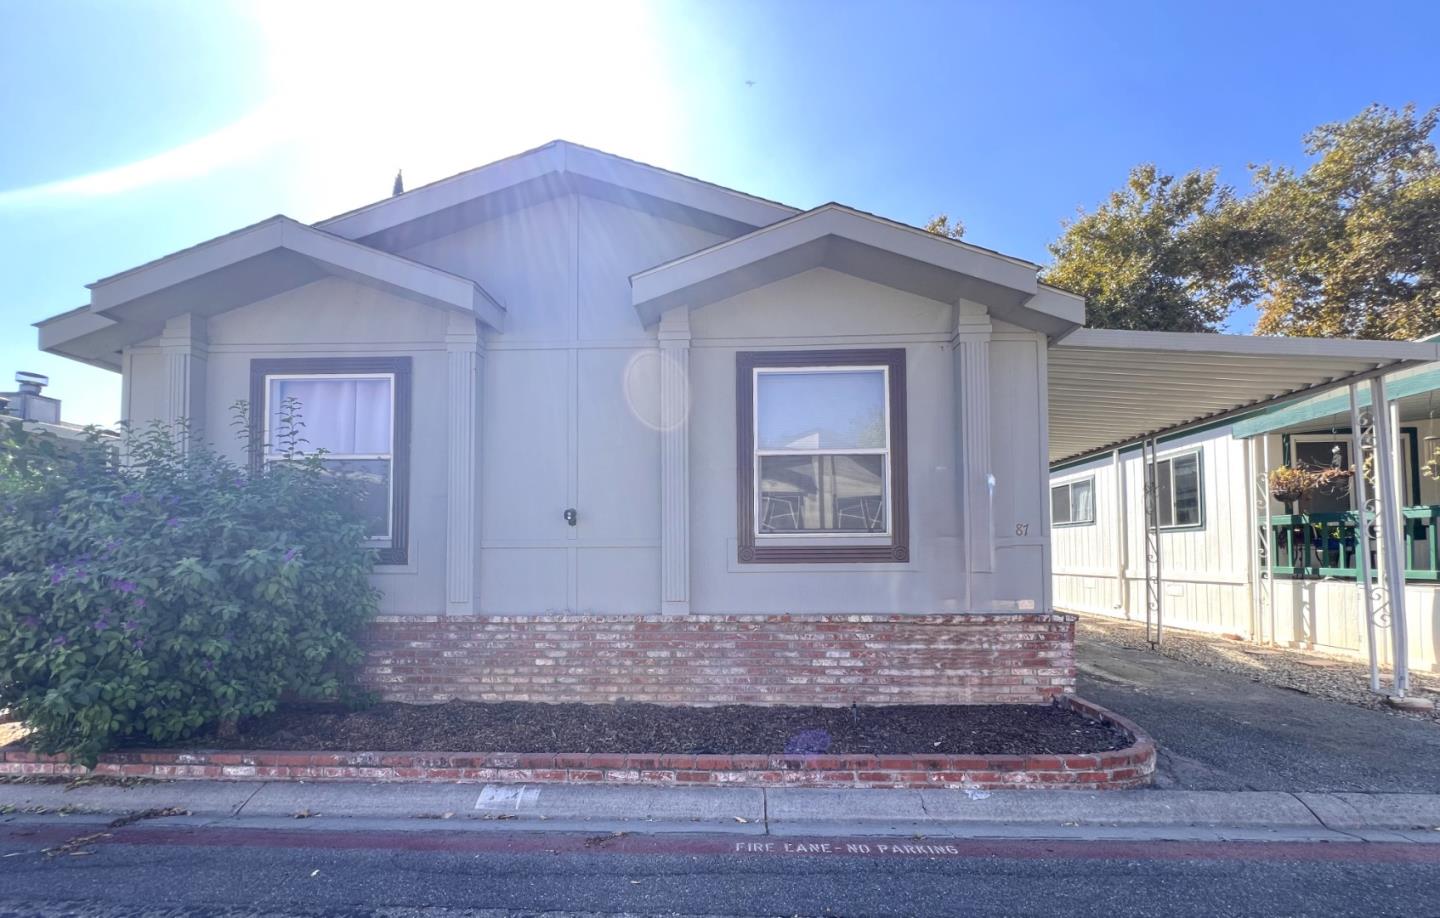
1128 767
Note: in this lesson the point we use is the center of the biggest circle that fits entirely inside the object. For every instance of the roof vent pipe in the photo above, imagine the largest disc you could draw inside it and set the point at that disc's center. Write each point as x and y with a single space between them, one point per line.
31 383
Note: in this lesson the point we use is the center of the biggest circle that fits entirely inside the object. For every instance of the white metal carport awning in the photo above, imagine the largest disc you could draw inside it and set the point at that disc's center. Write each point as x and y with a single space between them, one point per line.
1109 388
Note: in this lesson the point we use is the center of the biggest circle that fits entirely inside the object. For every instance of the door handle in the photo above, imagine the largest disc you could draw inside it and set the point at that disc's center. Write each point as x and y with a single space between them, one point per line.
571 516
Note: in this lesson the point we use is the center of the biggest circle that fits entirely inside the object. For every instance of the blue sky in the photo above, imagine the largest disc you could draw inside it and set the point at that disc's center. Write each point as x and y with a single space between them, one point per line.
131 128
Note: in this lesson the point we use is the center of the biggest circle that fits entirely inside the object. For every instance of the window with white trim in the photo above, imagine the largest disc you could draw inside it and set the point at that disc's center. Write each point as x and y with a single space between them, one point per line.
822 450
1073 503
1178 491
357 409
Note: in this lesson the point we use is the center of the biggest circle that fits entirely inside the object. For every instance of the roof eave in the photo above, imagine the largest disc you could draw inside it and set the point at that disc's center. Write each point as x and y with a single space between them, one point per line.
836 236
562 159
318 251
1110 389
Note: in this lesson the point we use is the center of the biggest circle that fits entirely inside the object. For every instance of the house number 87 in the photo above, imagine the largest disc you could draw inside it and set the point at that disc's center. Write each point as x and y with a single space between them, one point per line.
1022 529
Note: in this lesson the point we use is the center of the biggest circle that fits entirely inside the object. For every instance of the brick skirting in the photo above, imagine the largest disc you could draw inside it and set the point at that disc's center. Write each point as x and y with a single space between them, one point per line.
1128 767
981 658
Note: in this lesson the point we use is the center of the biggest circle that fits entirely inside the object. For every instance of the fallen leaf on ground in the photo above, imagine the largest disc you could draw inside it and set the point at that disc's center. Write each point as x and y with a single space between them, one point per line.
741 819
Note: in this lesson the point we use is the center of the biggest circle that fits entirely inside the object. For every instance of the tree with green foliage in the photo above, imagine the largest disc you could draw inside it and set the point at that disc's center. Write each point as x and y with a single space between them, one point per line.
1350 247
940 225
152 599
1157 255
1347 246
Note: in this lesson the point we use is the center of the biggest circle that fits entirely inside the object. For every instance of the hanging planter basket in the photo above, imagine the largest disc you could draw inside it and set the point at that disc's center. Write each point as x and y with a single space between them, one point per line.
1290 485
1288 495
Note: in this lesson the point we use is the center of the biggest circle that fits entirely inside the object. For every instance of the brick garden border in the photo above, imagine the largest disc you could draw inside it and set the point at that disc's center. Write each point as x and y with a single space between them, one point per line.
1128 767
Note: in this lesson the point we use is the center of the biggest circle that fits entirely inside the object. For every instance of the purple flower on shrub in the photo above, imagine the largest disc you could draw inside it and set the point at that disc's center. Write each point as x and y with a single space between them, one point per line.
138 644
130 625
101 623
291 553
139 602
808 742
130 498
209 666
30 621
172 522
60 640
57 573
124 586
111 545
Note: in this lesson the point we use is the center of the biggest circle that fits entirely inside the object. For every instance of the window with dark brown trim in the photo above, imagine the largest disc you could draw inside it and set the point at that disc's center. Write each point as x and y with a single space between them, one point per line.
358 410
821 460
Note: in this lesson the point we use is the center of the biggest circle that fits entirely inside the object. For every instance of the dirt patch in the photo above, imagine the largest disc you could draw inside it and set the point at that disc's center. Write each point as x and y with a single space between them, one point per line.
1327 677
727 730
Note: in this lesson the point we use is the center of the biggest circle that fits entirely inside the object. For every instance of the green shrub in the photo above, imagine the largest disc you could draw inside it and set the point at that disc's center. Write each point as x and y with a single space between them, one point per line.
148 600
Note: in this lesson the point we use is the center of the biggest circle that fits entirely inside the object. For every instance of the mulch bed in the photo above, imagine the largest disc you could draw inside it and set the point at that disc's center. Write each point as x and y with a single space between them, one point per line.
632 728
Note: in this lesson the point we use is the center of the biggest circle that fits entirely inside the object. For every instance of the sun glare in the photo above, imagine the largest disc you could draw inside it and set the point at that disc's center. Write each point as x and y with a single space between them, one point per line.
359 89
444 87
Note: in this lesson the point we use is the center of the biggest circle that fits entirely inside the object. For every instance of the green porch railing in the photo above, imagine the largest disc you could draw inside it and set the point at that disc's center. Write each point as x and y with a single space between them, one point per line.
1315 545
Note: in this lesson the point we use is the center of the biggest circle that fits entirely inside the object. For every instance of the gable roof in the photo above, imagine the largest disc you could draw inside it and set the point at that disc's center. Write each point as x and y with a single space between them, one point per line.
558 167
766 240
867 246
240 267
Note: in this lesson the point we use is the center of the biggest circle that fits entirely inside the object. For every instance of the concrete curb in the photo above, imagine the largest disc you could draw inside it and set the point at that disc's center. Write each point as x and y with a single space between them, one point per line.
780 811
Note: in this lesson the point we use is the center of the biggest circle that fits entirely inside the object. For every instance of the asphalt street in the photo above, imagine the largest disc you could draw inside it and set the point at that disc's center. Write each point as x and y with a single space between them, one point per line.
165 870
1221 731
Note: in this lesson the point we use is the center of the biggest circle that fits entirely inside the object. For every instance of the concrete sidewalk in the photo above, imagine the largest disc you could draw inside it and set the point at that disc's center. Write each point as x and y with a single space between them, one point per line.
1179 815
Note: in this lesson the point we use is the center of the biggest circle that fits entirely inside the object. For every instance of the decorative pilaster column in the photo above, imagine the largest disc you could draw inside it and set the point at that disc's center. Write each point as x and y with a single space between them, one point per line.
464 351
674 335
972 450
183 342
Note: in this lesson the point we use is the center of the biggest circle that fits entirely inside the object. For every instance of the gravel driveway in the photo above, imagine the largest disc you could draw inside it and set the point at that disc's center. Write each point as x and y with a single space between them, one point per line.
1228 719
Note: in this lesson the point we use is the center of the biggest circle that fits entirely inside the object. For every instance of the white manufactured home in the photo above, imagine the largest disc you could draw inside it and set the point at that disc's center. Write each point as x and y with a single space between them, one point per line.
1234 559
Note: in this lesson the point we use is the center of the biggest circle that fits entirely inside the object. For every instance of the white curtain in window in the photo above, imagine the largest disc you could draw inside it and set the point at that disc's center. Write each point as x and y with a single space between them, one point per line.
343 416
1082 501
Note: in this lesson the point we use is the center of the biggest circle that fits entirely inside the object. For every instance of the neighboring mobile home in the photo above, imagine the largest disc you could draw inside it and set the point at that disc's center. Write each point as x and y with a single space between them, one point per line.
584 387
1214 498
